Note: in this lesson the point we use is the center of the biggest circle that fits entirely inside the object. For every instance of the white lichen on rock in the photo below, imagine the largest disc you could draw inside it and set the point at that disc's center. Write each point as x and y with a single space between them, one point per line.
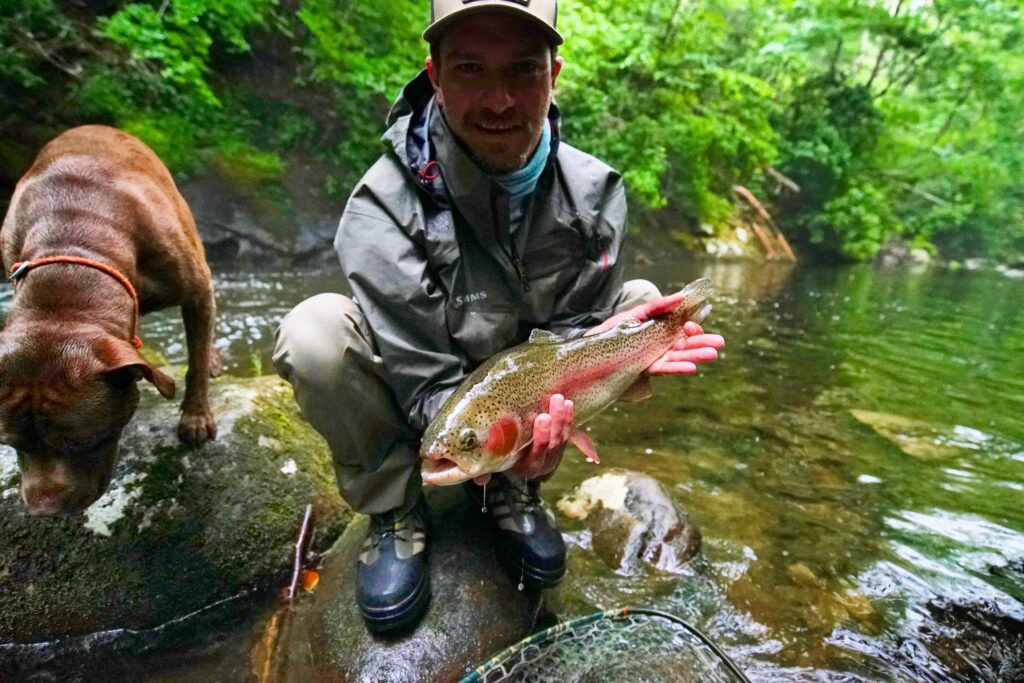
111 507
607 489
8 465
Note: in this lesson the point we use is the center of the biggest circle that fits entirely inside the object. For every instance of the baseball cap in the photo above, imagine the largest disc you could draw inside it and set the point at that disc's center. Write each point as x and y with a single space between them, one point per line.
443 13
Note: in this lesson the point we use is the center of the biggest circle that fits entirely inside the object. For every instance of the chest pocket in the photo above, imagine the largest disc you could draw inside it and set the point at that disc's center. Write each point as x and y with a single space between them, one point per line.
480 306
441 245
556 243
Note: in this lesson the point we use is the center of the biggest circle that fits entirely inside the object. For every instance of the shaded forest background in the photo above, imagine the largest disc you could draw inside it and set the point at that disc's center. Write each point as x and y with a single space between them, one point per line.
860 122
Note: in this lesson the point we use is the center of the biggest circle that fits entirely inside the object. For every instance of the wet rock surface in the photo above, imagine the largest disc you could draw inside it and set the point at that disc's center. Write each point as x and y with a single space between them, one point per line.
902 255
475 611
180 531
632 521
246 218
974 641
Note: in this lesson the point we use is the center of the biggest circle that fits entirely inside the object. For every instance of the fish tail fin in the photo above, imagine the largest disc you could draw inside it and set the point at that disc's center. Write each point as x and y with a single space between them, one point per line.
694 303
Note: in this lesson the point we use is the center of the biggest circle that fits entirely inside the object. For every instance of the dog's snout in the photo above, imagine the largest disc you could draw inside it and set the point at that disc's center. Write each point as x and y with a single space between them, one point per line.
45 500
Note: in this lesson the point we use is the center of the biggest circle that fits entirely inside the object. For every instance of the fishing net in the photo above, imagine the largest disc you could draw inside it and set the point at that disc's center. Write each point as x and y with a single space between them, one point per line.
609 647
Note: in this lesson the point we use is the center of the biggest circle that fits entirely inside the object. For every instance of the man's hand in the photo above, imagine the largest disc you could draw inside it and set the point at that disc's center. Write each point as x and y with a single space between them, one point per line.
551 432
695 347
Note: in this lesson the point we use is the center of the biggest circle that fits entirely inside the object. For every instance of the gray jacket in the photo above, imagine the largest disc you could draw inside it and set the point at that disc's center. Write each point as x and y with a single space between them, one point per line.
426 245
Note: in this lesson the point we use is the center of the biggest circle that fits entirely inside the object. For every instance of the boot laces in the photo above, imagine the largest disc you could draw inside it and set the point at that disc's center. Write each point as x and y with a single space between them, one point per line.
389 525
525 498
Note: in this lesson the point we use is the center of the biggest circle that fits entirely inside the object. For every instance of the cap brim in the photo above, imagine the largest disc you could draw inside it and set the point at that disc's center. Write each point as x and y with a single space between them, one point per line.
435 30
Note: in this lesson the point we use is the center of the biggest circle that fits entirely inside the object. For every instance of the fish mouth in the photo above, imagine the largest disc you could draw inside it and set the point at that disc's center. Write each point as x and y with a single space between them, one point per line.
443 472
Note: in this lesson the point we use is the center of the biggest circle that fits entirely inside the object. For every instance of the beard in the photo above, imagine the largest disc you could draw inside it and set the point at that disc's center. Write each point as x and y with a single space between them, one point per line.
499 153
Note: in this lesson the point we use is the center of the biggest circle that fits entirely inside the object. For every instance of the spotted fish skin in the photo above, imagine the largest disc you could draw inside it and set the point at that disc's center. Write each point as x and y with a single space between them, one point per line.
486 425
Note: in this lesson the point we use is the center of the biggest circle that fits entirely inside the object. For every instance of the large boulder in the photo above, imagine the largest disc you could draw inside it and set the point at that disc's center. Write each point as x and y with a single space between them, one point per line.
632 521
475 611
179 530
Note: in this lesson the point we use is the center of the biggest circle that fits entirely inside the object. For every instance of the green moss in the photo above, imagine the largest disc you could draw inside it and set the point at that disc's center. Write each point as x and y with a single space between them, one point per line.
206 523
688 241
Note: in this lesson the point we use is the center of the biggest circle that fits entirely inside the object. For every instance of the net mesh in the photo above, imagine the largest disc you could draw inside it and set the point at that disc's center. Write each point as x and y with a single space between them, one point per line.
610 647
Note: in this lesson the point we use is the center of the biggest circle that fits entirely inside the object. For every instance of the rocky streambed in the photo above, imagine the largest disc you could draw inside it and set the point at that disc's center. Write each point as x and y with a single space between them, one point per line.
181 536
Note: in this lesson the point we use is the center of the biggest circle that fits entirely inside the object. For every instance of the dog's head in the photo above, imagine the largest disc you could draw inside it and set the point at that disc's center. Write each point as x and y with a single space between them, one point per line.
63 404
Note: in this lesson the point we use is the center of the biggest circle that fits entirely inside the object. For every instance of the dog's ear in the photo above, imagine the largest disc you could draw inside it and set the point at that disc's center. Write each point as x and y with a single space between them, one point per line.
117 354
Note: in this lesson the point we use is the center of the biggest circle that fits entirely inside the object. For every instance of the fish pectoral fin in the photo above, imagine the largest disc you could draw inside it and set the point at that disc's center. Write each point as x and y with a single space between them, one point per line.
539 336
640 390
581 441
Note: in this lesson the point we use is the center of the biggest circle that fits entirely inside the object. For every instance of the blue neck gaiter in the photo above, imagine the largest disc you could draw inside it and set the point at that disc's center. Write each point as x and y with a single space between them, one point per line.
520 184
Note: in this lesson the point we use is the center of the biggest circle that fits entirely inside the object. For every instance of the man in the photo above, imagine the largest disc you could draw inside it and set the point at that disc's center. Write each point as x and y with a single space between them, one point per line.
477 226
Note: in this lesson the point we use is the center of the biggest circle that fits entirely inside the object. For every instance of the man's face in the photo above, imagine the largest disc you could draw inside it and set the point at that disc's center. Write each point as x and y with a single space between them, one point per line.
494 77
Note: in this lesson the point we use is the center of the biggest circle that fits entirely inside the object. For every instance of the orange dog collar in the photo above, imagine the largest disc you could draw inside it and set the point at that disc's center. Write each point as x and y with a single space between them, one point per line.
19 269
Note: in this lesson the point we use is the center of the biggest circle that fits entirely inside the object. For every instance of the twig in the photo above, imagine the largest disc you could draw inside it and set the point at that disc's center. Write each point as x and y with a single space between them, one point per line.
785 181
300 551
764 236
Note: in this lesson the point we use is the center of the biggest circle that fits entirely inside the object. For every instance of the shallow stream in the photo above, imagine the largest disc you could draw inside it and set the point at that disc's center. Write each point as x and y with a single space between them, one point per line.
854 460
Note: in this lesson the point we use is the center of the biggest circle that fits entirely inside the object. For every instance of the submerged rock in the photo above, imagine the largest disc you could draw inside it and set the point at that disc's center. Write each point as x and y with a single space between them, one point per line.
973 641
924 440
179 529
632 521
901 254
475 611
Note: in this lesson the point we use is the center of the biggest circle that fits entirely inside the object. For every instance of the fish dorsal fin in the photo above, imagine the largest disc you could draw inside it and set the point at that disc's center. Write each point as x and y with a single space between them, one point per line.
628 323
539 336
640 390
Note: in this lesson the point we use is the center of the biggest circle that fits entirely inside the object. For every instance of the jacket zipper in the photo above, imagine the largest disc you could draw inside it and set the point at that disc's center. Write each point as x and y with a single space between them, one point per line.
511 253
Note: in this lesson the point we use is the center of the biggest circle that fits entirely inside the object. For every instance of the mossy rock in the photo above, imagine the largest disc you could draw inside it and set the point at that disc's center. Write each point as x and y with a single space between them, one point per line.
178 531
475 611
633 521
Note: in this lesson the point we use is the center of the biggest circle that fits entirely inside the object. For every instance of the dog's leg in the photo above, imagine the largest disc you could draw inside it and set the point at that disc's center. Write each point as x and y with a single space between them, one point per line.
197 424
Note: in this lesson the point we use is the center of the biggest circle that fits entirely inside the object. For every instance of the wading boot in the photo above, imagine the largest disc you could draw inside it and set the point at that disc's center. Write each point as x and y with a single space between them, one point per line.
393 584
530 547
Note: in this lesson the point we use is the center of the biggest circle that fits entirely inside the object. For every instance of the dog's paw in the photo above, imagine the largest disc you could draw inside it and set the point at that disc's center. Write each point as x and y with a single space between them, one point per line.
196 429
216 363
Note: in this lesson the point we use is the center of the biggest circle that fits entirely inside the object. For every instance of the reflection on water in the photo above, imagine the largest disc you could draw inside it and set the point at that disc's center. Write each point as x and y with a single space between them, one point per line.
855 462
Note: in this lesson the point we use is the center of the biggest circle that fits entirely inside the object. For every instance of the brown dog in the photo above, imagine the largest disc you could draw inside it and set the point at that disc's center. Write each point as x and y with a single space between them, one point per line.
96 235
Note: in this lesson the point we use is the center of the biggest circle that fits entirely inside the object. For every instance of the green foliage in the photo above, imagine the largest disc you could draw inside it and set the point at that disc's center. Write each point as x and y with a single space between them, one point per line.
363 53
647 89
897 119
30 32
855 223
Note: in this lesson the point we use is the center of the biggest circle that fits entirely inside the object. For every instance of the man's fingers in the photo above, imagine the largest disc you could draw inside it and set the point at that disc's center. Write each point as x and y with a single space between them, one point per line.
670 367
541 435
556 409
662 304
714 341
567 424
699 355
692 329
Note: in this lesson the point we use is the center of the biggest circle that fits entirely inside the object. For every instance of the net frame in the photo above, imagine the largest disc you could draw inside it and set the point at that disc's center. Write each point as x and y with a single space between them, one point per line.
554 634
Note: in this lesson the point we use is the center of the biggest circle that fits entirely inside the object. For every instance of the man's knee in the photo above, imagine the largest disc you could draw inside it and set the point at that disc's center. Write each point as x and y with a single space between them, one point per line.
313 338
636 292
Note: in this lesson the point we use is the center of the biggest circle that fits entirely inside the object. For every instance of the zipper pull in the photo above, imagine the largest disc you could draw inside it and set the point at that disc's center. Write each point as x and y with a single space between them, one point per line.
521 272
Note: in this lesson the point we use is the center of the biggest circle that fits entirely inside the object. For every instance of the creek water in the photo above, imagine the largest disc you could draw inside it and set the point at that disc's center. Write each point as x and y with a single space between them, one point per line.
854 461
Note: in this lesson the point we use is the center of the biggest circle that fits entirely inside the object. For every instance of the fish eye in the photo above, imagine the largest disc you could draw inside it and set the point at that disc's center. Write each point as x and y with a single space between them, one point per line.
467 439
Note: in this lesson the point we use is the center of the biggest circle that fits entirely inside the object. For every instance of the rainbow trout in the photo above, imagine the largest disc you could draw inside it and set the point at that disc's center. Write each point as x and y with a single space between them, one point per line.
487 424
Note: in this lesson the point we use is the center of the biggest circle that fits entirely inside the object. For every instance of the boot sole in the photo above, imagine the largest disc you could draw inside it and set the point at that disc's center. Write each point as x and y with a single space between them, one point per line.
402 615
